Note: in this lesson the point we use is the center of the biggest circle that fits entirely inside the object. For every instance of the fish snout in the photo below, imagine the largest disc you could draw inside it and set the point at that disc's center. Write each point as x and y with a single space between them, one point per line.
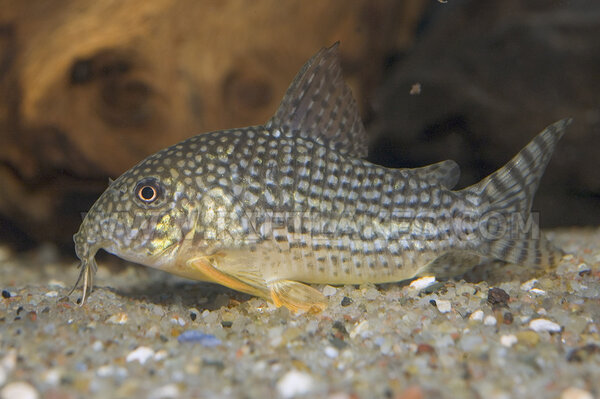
80 245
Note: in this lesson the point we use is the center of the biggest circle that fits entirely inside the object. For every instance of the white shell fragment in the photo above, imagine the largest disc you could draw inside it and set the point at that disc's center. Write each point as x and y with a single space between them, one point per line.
19 390
361 329
576 393
295 383
476 315
528 285
328 290
508 340
443 306
422 282
544 325
118 318
331 352
140 354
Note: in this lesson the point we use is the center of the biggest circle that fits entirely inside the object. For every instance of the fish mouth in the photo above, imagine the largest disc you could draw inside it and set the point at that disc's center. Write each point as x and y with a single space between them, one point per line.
88 265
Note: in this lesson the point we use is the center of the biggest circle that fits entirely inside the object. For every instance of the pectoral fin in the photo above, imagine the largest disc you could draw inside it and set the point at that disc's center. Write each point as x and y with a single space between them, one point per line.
212 274
297 296
293 295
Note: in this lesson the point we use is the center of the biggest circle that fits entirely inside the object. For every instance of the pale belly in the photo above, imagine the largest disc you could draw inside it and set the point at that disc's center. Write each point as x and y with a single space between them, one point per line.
323 266
270 261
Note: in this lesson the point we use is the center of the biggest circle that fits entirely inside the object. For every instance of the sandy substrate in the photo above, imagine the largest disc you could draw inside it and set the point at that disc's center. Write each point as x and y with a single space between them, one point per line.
518 333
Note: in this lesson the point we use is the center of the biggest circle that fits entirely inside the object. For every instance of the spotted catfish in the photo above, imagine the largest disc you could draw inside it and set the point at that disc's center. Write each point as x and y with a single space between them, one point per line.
268 210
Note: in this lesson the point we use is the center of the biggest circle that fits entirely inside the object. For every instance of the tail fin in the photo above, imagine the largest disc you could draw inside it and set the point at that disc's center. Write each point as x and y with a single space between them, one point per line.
506 196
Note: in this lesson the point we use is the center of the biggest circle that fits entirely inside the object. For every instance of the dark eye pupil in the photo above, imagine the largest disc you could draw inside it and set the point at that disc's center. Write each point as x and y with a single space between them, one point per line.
148 190
147 193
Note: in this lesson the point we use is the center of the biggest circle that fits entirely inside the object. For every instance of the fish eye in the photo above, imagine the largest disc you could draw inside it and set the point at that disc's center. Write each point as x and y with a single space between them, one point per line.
148 190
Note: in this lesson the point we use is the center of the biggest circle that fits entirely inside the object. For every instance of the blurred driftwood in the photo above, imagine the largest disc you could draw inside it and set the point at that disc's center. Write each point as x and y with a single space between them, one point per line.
89 88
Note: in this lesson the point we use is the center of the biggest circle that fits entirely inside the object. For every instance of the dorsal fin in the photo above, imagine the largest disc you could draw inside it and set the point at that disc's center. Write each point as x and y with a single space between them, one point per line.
446 172
319 105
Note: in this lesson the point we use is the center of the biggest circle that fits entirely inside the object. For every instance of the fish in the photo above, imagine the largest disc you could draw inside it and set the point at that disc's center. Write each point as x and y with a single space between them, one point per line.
271 210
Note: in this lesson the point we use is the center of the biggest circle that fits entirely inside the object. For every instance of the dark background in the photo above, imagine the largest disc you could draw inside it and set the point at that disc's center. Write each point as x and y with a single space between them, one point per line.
88 89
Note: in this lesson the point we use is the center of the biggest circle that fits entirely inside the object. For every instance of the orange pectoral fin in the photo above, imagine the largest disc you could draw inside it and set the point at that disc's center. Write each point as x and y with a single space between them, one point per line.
293 295
215 275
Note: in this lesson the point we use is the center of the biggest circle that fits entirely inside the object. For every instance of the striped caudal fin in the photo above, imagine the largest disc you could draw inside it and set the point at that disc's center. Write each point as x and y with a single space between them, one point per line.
505 197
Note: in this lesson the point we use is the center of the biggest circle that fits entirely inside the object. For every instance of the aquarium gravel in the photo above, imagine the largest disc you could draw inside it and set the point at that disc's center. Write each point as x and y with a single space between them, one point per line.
501 331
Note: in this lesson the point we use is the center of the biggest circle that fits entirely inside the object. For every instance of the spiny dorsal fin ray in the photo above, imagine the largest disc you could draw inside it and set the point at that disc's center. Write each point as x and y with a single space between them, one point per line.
319 106
446 173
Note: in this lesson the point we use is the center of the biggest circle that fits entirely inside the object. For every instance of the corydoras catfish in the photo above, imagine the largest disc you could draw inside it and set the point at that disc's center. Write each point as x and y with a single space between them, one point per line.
268 210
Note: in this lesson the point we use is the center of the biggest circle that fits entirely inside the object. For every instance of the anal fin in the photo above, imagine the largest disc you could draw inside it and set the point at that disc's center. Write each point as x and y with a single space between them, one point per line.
450 264
297 296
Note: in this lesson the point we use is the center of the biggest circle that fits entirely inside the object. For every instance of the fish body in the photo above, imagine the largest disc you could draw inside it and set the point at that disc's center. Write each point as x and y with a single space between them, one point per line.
267 209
